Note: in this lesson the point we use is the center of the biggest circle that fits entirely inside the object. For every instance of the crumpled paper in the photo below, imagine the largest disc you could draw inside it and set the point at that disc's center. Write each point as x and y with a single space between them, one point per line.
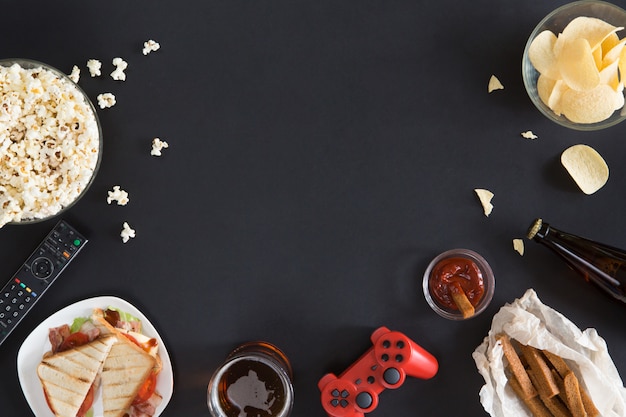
531 322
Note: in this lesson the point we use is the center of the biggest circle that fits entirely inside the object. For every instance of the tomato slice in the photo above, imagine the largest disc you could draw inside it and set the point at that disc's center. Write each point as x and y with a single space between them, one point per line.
146 390
87 403
73 340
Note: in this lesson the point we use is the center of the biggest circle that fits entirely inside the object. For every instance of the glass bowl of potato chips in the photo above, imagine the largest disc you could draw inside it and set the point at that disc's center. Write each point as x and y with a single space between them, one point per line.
574 65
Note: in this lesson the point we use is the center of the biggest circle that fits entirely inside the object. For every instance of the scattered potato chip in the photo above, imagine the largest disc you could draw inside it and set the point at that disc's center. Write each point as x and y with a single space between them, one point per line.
494 84
518 245
577 66
529 135
586 166
485 197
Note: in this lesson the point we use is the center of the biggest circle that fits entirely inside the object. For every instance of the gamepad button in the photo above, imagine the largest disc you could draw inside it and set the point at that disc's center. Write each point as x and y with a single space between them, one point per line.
344 403
391 376
345 394
334 402
364 400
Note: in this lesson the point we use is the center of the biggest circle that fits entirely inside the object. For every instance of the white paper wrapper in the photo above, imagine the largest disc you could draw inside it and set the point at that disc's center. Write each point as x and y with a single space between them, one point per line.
532 323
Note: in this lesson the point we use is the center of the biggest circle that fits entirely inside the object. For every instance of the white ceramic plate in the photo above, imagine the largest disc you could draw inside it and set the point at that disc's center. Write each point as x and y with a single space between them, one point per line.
33 348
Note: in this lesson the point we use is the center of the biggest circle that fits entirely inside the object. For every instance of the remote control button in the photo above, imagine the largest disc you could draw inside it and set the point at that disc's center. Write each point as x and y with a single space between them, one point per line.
42 268
391 376
364 400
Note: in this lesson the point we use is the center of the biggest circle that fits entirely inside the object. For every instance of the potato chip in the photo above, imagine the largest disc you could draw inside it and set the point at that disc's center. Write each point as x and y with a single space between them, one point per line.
609 43
529 135
597 57
594 30
518 245
586 166
554 101
541 54
589 106
577 65
545 85
494 84
613 55
622 66
485 197
610 76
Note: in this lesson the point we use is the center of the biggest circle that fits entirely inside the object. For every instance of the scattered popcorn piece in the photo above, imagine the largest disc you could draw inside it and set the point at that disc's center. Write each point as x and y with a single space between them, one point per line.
118 195
485 197
120 65
127 233
529 135
106 100
157 145
150 46
75 74
94 67
518 245
495 84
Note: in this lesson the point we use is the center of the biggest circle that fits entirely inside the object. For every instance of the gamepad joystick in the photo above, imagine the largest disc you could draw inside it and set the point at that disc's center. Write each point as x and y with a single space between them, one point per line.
386 364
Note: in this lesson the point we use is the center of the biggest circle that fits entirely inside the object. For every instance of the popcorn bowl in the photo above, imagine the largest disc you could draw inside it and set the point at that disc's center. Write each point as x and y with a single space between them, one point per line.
555 22
456 265
50 144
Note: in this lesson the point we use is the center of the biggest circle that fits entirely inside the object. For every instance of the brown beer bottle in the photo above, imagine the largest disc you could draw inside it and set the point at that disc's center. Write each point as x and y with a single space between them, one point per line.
600 264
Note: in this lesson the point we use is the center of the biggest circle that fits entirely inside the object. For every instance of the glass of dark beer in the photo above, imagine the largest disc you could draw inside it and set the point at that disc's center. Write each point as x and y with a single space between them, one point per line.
255 380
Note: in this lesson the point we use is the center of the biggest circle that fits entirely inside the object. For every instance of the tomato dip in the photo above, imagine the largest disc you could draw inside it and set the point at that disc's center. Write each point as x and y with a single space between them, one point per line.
451 271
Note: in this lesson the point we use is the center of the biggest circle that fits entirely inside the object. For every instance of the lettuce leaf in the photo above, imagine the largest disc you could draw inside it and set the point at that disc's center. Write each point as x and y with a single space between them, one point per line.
77 323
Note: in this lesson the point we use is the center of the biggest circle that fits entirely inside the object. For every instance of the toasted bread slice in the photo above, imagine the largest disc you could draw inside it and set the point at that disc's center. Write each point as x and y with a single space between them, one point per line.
125 370
67 376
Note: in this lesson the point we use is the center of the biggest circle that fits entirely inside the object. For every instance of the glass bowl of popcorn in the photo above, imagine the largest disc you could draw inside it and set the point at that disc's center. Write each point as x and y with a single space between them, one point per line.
50 144
572 63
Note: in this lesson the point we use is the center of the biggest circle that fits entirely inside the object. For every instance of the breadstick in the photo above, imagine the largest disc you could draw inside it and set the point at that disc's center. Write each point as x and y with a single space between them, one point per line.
460 299
546 385
572 392
516 367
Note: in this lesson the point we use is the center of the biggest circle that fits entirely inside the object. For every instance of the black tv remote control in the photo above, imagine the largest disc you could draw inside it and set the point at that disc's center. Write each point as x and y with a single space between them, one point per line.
40 270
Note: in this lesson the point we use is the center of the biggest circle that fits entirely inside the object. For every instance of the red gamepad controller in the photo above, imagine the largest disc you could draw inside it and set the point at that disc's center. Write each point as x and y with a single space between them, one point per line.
385 365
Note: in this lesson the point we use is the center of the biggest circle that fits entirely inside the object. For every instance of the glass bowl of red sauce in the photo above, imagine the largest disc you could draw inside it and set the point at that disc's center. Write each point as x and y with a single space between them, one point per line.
458 284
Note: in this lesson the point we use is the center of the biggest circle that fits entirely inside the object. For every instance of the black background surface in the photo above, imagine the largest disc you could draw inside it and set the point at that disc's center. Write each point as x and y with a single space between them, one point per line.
321 153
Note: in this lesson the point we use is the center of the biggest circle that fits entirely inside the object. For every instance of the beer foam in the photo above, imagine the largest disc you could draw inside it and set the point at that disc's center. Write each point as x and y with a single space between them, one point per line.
250 391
